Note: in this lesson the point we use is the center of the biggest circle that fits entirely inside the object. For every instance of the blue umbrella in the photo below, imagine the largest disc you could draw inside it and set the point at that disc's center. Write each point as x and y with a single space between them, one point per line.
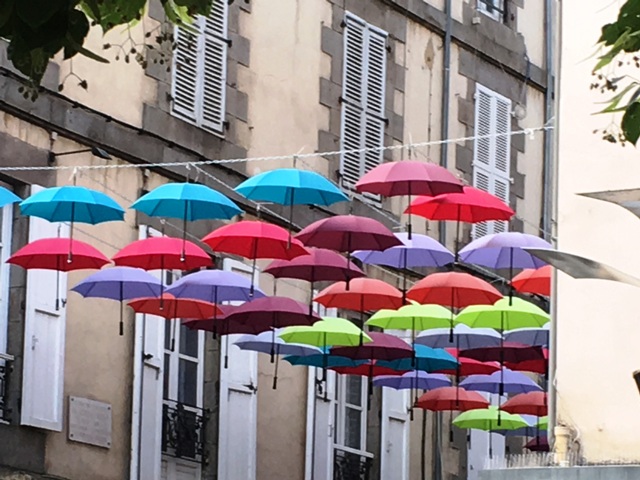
215 286
416 380
119 283
323 360
7 197
504 381
464 337
290 186
537 337
426 358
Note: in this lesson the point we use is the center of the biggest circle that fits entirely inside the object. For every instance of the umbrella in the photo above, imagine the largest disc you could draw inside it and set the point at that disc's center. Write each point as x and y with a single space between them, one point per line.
451 398
369 369
463 337
253 240
531 403
415 380
505 314
71 203
290 186
506 352
540 366
472 205
504 381
538 444
543 423
468 366
536 281
408 178
162 253
119 283
322 360
530 336
7 197
215 286
425 358
186 201
381 347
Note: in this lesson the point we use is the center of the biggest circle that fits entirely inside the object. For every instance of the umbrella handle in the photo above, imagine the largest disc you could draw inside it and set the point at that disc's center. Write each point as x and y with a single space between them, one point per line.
226 352
409 229
275 374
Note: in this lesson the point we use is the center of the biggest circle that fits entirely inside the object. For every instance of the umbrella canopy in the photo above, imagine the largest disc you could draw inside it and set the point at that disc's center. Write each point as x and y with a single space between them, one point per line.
538 444
321 265
254 239
426 358
454 290
532 403
505 381
381 347
215 286
543 423
322 360
488 419
290 186
537 281
504 250
347 233
415 380
54 254
187 201
7 197
463 337
451 398
506 352
162 253
72 204
362 295
417 251
119 283
264 343
530 336
468 366
370 369
330 331
471 206
271 312
540 366
408 178
505 314
411 317
170 307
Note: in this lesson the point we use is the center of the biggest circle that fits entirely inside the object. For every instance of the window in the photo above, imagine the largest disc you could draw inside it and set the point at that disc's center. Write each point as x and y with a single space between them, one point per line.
492 8
351 412
492 155
363 98
200 70
6 217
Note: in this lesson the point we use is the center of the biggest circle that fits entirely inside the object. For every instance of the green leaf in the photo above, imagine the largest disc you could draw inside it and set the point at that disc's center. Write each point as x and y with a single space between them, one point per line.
36 13
631 123
76 33
92 55
6 11
615 101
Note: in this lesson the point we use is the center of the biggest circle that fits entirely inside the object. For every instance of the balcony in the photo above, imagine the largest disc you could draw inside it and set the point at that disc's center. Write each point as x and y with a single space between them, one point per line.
5 368
183 429
349 464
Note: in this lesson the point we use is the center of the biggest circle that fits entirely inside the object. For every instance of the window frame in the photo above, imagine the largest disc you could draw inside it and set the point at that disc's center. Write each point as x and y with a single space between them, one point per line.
341 413
6 239
496 12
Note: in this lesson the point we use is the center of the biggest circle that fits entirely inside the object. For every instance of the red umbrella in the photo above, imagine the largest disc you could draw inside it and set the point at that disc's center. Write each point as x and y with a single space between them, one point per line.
409 178
451 398
266 313
382 347
369 369
254 239
538 444
539 366
507 352
162 253
531 403
532 280
363 294
468 366
53 254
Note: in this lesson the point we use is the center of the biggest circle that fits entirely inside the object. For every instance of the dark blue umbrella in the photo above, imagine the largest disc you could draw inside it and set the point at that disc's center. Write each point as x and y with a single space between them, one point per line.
119 283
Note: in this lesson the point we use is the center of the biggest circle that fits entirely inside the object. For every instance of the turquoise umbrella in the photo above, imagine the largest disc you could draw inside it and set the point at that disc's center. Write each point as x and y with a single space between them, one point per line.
426 358
7 197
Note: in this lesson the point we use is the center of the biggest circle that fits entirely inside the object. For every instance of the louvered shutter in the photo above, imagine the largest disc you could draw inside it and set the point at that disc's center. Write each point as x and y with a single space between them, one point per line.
492 155
365 58
186 72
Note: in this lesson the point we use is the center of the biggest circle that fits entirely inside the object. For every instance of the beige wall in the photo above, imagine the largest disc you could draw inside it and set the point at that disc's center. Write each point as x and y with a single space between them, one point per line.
597 320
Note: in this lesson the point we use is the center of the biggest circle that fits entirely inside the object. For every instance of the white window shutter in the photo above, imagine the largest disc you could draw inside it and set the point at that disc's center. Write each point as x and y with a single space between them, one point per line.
185 73
394 450
376 73
355 61
44 337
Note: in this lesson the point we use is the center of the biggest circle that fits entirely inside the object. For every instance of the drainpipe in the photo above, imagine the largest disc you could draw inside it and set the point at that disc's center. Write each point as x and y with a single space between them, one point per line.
446 91
547 187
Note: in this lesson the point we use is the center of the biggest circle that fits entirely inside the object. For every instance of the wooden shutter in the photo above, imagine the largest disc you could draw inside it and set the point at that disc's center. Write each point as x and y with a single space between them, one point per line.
492 155
44 336
363 95
394 455
185 73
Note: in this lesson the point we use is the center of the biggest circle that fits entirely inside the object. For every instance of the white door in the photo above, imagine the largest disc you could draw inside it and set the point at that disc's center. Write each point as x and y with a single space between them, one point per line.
238 402
44 337
394 455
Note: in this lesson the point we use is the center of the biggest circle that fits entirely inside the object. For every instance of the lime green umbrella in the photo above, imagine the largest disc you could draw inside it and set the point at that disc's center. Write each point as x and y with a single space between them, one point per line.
543 423
489 419
505 314
330 331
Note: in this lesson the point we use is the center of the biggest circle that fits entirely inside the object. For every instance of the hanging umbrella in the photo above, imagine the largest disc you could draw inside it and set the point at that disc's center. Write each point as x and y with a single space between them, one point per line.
381 347
53 254
188 202
162 253
215 286
369 369
505 314
506 352
538 444
536 281
425 358
540 366
543 423
415 380
463 337
419 251
408 178
119 283
468 366
531 403
504 381
530 336
322 360
289 187
472 205
7 197
451 398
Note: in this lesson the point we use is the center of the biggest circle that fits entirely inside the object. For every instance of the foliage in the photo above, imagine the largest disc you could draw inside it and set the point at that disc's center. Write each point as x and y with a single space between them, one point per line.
619 43
37 30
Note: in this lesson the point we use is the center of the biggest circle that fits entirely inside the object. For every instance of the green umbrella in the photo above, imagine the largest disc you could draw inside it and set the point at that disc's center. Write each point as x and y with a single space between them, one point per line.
543 423
505 314
330 331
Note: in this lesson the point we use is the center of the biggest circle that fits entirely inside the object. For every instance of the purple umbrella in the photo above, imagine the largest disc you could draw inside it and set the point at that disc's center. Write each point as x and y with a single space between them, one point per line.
504 250
505 380
119 283
464 337
529 336
420 251
416 380
215 286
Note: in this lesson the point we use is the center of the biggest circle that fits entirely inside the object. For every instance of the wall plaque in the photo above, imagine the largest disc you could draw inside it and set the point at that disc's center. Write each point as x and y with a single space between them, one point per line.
90 422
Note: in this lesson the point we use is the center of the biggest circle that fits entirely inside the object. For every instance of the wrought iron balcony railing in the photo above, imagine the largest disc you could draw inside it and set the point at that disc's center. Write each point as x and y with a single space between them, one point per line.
349 464
183 432
5 368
